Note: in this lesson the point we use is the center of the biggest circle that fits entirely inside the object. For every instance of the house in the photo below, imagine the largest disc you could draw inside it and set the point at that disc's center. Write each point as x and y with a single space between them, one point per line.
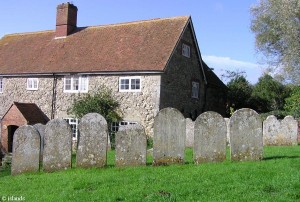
148 65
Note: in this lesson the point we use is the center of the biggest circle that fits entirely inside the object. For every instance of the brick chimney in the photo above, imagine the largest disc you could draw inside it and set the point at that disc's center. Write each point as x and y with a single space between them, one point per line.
66 19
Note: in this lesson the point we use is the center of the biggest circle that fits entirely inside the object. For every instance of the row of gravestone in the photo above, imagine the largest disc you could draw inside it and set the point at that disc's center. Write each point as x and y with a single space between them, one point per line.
275 132
168 141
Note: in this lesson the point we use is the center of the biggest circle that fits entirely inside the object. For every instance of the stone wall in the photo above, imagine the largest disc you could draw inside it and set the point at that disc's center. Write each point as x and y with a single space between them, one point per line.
176 82
135 106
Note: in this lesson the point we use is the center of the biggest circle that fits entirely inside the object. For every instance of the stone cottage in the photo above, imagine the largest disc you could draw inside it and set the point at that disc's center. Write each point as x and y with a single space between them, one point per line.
148 65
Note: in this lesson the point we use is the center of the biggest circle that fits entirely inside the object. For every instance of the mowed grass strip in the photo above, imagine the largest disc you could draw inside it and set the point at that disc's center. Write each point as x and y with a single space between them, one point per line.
276 178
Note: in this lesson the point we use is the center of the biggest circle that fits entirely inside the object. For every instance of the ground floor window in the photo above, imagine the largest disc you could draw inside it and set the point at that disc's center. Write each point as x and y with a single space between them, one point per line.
115 125
74 126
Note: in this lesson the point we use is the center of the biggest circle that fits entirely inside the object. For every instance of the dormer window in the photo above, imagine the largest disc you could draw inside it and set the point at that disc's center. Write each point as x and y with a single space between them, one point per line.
186 50
32 83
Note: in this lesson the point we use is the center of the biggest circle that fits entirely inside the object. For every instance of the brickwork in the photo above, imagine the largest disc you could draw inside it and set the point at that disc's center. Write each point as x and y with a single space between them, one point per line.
12 118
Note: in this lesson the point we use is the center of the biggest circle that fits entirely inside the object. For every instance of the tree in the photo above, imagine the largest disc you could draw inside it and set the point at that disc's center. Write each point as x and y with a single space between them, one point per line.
276 24
292 103
269 94
101 102
239 93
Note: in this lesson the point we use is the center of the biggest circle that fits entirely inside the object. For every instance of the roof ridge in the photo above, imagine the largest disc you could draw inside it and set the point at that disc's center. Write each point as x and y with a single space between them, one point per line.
137 22
98 26
28 33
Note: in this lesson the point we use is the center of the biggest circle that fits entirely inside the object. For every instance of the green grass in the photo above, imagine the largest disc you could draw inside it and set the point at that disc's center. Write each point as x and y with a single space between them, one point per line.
276 178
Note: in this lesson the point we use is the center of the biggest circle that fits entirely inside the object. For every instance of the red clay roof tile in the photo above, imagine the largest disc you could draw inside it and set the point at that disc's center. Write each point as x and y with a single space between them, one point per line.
136 46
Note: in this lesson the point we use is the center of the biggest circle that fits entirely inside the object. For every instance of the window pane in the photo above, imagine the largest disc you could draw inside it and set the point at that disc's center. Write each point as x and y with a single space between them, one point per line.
124 84
135 84
75 83
1 85
84 84
67 83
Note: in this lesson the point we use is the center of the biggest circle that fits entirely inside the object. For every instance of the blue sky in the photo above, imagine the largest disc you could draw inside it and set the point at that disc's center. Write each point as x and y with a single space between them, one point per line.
222 26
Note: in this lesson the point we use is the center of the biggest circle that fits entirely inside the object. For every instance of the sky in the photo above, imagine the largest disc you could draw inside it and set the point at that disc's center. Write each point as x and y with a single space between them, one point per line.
222 27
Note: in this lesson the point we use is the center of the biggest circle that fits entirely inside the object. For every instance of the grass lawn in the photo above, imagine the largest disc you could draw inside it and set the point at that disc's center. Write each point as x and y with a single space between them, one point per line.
276 178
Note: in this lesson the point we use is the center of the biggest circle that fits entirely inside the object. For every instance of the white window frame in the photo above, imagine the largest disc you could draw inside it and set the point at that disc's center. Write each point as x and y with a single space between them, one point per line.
130 78
1 84
73 122
195 89
186 50
32 83
83 84
114 127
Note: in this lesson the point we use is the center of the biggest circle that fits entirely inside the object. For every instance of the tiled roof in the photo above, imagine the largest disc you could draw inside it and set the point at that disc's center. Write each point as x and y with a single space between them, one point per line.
135 46
32 113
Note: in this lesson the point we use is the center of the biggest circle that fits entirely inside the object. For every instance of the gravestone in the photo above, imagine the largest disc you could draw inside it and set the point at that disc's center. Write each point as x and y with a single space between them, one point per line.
227 120
189 132
210 138
41 129
57 146
246 140
92 145
26 150
279 133
289 126
131 145
169 137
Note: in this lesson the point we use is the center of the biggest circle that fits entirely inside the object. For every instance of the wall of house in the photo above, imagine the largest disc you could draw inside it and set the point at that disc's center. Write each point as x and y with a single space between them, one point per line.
176 82
134 106
216 100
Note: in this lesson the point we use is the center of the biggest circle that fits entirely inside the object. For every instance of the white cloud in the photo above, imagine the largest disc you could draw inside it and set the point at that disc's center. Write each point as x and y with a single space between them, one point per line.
220 64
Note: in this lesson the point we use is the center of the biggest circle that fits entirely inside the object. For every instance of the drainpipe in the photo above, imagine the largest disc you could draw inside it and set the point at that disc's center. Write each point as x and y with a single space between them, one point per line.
53 102
205 84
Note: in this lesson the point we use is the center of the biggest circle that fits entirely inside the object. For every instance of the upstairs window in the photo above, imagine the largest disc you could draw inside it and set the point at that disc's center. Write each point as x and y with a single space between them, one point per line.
130 84
186 50
195 89
1 85
76 84
32 83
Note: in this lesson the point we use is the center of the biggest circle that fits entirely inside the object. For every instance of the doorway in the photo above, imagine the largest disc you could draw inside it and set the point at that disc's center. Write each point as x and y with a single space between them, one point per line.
10 136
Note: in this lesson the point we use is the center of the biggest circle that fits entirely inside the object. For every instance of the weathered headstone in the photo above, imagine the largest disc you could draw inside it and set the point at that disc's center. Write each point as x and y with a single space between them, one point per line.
289 126
169 137
279 133
189 132
227 120
57 146
26 150
210 138
131 145
41 129
92 145
246 140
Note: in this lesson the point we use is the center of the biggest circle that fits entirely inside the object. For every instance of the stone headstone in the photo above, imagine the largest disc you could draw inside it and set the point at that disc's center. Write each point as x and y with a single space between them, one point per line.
131 145
289 126
189 142
92 145
26 150
246 140
279 133
57 146
227 120
41 129
169 137
210 138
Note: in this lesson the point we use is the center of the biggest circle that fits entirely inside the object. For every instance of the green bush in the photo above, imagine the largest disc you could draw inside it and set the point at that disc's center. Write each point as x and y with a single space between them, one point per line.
101 102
